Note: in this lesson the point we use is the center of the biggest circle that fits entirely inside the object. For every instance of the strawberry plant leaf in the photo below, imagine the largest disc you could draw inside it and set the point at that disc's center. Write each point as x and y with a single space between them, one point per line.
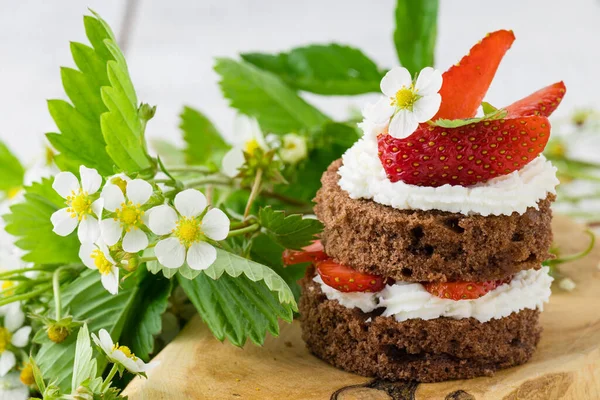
11 170
416 32
292 231
84 366
204 143
263 95
330 69
455 123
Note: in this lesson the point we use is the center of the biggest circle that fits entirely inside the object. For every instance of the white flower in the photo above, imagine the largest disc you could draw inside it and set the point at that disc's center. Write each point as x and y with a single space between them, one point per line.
409 103
188 230
11 387
120 354
567 284
250 137
80 208
128 216
293 148
97 256
12 334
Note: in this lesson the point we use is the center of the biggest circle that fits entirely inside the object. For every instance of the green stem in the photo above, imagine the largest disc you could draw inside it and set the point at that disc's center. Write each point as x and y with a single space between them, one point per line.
25 296
190 169
147 259
577 256
109 378
204 182
56 290
23 270
249 229
285 199
241 224
254 192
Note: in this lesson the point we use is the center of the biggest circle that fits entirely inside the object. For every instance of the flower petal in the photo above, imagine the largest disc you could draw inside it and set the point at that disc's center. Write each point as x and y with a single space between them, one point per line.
89 230
21 337
135 240
7 362
429 81
113 197
379 112
111 231
403 124
125 361
64 224
65 183
215 224
110 281
245 128
163 220
106 342
426 107
90 179
170 253
139 191
394 80
232 162
190 203
14 318
85 253
97 207
201 255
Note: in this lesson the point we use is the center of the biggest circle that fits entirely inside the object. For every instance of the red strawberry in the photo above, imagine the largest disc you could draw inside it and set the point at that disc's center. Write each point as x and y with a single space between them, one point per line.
543 102
434 155
466 83
462 290
345 279
311 253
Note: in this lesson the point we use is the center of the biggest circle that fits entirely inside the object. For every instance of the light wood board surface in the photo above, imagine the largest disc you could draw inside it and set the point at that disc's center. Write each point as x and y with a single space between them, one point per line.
565 366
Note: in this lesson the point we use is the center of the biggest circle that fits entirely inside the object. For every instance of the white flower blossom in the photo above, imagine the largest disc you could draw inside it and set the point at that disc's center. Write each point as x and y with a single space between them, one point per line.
81 208
121 355
129 215
188 228
249 138
293 148
97 256
409 103
11 387
12 334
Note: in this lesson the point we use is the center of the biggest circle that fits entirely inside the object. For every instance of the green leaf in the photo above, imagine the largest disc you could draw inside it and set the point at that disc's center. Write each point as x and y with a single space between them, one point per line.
87 300
416 33
237 308
331 69
266 97
488 108
292 231
169 153
84 366
205 145
11 170
30 222
146 322
455 123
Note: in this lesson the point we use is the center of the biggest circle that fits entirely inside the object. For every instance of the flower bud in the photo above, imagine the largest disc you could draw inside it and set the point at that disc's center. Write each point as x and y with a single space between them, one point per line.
293 148
58 333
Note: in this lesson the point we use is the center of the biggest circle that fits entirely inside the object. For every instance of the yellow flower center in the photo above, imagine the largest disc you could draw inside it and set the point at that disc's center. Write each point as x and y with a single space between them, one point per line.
125 350
14 192
101 262
79 204
251 146
5 337
188 231
405 98
7 285
130 215
26 376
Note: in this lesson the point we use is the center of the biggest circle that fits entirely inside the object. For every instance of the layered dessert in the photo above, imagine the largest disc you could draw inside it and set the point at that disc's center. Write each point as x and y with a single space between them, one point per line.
436 224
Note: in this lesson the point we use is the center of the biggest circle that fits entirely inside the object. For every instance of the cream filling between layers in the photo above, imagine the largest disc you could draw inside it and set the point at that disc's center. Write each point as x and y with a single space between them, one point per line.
528 289
363 176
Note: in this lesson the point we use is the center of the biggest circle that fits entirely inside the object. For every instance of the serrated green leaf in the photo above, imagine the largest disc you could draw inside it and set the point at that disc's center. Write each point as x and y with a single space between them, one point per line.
488 108
84 366
455 123
416 33
292 231
87 300
266 97
146 323
331 69
169 153
30 222
204 143
237 308
11 170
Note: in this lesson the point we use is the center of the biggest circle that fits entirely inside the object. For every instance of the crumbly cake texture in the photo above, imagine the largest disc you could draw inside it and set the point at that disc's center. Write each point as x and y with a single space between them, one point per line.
417 246
419 350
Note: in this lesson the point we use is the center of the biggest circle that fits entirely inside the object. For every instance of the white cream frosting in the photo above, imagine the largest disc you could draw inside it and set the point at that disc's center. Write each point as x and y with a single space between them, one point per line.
363 176
527 290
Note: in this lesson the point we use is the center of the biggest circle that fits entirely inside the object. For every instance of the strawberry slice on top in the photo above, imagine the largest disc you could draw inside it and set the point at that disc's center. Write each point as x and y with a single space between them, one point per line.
466 83
346 279
465 155
543 102
462 290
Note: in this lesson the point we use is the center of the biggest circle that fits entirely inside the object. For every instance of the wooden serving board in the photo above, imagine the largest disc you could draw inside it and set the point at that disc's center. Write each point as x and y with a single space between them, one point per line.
565 366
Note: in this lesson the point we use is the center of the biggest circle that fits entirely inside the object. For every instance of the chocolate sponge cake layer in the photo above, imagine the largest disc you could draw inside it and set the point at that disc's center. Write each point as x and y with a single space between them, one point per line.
416 246
424 351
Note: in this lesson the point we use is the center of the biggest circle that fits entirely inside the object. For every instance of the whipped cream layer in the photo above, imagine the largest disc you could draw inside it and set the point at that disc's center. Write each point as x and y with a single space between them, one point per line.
362 176
528 289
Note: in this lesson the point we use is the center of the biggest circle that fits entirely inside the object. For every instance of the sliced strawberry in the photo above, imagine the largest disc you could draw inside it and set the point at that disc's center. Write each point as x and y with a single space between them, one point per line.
434 156
345 279
466 83
311 253
462 290
543 102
